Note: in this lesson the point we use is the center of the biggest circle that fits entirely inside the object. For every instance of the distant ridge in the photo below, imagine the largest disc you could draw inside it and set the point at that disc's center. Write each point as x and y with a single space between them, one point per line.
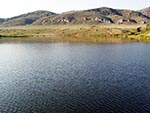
96 16
26 19
91 16
145 11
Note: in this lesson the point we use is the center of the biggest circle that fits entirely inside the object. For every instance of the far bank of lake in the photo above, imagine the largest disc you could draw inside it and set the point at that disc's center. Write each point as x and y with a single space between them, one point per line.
78 33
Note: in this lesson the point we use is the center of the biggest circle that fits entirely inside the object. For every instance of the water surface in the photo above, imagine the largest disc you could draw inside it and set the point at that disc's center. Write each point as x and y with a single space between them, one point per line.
74 78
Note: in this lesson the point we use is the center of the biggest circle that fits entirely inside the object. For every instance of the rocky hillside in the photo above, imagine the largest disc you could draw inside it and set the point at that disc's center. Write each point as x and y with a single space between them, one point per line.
145 11
92 16
96 16
26 19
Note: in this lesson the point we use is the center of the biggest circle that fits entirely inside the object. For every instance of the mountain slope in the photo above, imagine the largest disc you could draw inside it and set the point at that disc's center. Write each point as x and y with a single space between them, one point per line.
91 16
26 19
145 11
95 16
2 20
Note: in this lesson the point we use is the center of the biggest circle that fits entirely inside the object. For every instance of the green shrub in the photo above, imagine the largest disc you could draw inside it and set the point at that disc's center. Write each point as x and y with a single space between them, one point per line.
148 27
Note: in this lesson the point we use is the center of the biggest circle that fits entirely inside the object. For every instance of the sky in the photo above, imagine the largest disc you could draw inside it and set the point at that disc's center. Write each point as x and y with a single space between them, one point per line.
10 8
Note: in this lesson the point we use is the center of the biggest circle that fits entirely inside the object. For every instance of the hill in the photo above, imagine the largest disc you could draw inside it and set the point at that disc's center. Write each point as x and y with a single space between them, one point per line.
145 11
95 16
26 19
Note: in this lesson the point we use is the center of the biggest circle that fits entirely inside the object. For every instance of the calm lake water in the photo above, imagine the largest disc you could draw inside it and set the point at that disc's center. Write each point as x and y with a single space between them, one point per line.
74 78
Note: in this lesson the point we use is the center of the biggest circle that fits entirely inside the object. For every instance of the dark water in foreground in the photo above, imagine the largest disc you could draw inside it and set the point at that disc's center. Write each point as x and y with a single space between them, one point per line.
74 78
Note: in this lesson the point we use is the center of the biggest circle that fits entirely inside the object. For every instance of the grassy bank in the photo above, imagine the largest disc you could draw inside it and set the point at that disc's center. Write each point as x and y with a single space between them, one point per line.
141 34
79 33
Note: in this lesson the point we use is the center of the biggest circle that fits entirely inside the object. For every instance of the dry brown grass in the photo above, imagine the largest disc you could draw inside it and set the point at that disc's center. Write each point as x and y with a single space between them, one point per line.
76 33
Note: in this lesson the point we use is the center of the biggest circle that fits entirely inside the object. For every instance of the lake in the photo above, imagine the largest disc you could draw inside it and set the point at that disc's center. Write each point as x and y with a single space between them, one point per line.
74 78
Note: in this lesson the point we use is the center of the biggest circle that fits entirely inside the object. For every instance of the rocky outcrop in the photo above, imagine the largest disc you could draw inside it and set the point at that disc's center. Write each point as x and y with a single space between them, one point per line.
104 20
62 20
122 21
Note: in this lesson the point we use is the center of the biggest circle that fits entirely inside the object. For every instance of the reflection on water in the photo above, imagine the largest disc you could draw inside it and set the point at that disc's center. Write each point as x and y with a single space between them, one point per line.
74 78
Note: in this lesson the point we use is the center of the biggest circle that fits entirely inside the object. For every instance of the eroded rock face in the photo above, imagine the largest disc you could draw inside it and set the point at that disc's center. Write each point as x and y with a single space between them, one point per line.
131 21
44 22
62 20
122 21
103 20
143 22
70 19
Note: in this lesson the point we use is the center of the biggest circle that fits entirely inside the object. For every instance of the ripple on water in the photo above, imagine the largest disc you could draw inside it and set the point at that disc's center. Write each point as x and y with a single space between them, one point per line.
74 78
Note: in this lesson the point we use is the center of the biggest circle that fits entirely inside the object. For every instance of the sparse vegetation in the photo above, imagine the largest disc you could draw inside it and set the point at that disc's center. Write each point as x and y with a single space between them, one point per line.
77 33
141 34
25 19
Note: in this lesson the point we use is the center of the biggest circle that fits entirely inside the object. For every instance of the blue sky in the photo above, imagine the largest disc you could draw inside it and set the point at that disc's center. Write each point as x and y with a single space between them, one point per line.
11 8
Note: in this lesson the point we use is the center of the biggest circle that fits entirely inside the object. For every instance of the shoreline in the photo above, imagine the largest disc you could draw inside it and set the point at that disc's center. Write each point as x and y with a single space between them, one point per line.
75 33
62 40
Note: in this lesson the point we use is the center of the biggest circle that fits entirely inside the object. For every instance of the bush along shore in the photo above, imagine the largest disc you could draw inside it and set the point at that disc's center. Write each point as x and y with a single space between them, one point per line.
141 34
